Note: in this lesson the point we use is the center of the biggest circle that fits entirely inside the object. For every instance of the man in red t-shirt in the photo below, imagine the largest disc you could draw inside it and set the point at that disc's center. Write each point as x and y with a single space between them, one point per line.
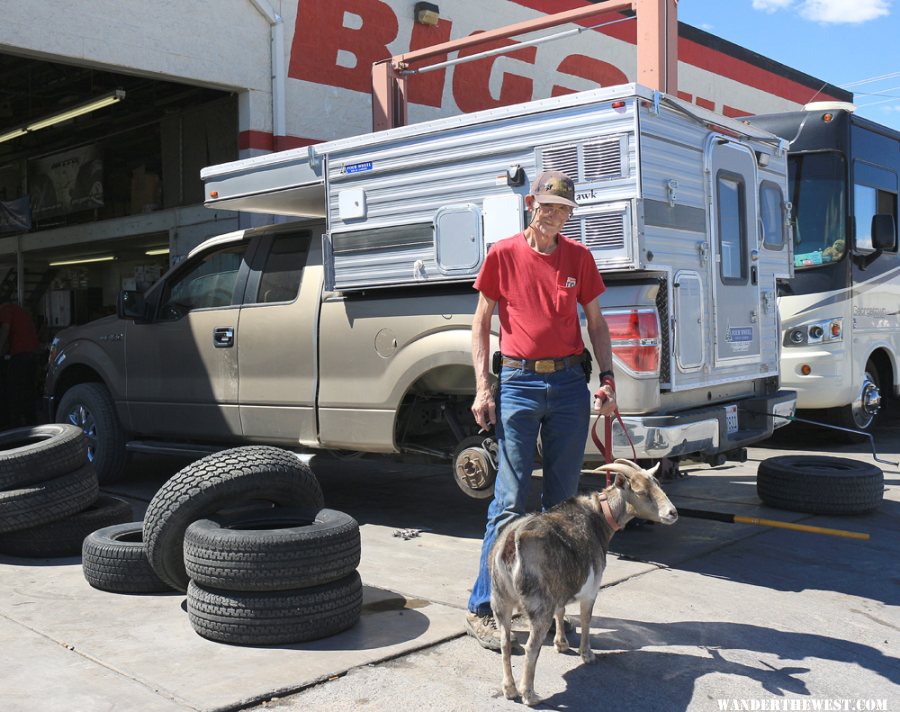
18 349
536 279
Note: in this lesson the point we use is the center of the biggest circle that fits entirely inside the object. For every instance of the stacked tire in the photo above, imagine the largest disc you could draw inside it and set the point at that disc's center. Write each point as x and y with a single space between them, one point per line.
268 564
273 576
49 494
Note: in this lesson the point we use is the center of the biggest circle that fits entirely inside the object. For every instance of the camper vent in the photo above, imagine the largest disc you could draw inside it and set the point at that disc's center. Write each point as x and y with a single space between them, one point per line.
598 231
587 161
604 159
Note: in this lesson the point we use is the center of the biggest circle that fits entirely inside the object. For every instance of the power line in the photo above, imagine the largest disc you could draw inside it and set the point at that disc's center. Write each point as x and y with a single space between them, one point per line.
891 75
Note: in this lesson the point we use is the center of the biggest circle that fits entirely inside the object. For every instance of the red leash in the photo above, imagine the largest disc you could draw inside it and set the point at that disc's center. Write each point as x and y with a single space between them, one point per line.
605 446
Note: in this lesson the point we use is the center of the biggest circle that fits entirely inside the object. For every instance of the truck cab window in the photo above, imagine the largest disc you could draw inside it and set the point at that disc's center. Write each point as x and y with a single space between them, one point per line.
771 211
732 231
280 278
818 190
206 282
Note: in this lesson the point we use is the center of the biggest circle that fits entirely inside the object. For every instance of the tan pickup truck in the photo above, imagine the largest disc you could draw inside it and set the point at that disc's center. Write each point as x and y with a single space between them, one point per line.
350 327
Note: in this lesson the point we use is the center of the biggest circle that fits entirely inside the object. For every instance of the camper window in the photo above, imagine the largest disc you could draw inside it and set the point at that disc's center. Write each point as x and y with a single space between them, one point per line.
771 211
731 204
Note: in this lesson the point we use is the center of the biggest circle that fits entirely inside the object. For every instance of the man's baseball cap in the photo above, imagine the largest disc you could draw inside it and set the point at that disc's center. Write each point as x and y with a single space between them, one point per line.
554 187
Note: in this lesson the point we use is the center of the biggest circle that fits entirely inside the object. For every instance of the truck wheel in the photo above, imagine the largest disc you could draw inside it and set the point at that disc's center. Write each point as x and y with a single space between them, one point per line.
64 537
475 466
224 479
271 549
39 453
275 617
115 559
91 408
819 484
48 501
862 413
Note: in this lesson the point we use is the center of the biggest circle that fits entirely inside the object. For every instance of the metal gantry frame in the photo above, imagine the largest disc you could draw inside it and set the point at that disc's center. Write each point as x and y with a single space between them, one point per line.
657 52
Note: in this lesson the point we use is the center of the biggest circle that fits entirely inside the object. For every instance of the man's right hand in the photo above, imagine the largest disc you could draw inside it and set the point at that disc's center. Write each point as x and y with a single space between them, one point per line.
484 409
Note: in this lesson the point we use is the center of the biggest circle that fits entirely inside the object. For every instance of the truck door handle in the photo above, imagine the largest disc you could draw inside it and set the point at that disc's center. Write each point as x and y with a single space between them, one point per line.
223 337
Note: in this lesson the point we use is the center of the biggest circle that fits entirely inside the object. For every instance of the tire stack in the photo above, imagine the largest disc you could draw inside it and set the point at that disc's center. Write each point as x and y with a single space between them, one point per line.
49 495
273 576
244 533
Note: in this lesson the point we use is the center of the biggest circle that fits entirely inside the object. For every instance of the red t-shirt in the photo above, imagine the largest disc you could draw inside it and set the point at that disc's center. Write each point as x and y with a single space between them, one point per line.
23 336
538 295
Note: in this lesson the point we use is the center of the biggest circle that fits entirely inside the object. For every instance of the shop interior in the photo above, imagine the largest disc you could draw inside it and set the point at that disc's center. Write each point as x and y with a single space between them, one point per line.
95 168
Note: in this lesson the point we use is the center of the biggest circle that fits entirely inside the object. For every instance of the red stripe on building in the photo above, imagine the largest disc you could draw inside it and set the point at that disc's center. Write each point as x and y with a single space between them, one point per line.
695 54
265 141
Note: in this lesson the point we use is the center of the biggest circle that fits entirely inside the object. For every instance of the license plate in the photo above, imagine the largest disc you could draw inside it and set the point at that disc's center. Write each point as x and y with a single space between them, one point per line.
731 418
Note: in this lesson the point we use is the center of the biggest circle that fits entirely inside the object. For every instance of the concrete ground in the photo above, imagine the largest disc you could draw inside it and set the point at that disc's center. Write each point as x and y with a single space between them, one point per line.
698 616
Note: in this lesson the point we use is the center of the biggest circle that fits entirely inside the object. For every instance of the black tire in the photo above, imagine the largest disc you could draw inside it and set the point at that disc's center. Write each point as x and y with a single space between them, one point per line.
819 484
271 549
115 559
275 617
64 537
48 501
90 407
39 453
224 479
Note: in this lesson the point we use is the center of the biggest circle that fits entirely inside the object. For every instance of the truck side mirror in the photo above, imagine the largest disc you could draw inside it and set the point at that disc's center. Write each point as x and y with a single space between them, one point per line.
884 233
131 305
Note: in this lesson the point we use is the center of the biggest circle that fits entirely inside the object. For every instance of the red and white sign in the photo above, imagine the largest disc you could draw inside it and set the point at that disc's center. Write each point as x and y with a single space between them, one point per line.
335 44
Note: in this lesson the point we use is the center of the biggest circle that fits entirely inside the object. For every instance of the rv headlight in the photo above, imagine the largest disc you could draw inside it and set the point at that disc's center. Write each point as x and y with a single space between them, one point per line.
819 332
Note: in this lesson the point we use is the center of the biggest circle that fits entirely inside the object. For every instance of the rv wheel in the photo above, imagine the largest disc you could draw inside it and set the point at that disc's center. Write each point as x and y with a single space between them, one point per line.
862 413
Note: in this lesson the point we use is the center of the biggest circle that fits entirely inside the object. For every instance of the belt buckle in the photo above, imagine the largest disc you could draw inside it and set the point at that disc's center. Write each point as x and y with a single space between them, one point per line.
545 366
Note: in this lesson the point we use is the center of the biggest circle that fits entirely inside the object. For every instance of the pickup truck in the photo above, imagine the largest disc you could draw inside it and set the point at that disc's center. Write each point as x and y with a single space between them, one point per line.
348 328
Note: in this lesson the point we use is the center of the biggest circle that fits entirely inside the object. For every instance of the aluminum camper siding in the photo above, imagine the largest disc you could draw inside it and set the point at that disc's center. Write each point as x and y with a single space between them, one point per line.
383 198
678 224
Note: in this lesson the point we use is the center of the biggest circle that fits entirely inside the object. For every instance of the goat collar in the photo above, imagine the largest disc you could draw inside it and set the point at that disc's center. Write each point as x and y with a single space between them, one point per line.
607 512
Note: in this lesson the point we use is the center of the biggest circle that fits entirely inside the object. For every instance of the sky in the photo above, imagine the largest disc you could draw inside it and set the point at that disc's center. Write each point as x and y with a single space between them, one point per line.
853 44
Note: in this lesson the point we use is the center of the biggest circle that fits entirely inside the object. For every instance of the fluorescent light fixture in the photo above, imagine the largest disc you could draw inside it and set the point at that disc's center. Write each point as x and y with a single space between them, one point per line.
10 135
82 261
98 103
158 251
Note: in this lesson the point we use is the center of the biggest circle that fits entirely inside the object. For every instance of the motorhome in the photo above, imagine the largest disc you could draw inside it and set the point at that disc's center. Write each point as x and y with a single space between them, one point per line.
840 312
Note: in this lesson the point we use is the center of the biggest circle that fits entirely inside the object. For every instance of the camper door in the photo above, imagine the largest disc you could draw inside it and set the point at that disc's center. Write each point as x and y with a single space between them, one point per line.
735 269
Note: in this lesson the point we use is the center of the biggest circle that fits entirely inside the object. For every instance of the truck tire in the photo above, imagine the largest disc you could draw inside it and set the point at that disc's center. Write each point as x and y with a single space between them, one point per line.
271 549
91 408
64 537
216 482
275 617
819 484
48 501
38 453
115 559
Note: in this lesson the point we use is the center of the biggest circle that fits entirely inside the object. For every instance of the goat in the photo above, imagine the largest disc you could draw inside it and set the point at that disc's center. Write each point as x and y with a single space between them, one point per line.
541 562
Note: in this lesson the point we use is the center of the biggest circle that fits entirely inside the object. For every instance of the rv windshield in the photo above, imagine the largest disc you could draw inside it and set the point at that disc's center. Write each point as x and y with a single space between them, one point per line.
818 191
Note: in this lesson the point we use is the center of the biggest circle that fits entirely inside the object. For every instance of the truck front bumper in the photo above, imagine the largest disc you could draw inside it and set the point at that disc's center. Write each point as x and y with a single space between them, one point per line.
704 431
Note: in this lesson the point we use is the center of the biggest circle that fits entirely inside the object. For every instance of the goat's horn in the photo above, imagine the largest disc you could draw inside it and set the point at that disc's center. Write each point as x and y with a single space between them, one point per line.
629 462
617 467
652 470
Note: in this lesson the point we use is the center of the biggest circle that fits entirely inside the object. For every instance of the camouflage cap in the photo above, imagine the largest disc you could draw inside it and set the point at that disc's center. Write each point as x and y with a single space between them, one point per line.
554 187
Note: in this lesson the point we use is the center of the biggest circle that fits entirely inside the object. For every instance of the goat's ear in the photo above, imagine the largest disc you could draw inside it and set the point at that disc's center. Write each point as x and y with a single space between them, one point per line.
622 481
652 471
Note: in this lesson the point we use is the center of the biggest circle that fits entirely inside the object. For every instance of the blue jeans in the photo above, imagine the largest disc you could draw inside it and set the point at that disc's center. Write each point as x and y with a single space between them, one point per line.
558 406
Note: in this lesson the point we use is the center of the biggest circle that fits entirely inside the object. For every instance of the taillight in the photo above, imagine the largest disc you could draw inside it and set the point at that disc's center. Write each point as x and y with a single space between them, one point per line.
634 334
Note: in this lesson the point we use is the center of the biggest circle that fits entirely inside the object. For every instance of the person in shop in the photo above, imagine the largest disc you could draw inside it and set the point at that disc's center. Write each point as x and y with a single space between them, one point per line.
18 354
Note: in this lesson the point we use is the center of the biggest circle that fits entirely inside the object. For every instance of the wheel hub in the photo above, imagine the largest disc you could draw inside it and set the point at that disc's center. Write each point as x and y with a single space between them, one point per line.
84 419
868 405
475 466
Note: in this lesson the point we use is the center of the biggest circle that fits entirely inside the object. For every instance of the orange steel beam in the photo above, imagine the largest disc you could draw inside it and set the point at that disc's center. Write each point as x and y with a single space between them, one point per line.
657 42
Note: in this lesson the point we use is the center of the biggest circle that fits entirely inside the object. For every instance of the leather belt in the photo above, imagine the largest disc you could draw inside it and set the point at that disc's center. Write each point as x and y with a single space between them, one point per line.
544 365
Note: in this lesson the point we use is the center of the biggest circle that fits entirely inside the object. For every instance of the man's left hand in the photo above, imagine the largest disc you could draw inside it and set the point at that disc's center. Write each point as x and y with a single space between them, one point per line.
605 400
